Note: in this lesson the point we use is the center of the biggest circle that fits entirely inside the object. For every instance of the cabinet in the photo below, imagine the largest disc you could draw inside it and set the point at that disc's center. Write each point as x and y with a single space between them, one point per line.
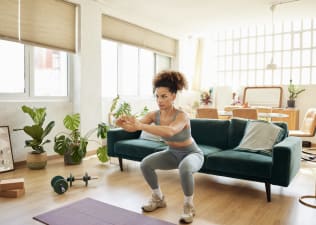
293 119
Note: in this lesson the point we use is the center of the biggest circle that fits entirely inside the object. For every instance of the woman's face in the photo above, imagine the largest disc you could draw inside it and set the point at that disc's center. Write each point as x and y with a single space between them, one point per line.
164 97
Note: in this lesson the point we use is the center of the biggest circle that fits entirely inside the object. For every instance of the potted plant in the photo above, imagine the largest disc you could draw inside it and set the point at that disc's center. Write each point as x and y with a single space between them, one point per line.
73 145
294 91
123 109
37 158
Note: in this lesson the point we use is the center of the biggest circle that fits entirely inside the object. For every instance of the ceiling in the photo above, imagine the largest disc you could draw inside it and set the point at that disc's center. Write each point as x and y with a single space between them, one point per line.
183 18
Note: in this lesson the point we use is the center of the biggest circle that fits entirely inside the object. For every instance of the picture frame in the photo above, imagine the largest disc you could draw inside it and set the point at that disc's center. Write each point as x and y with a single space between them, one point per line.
6 155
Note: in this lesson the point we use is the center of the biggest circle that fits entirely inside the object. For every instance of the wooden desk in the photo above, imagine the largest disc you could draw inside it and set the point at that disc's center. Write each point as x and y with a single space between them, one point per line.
293 117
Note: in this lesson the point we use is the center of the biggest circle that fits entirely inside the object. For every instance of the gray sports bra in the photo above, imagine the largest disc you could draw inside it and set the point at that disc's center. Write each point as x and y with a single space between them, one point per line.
181 136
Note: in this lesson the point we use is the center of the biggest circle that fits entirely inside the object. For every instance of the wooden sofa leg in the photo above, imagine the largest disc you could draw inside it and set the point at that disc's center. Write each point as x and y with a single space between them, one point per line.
121 163
268 191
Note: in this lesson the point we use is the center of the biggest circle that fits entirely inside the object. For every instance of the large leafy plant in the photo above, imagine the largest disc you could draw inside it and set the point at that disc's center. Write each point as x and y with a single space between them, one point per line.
75 144
36 131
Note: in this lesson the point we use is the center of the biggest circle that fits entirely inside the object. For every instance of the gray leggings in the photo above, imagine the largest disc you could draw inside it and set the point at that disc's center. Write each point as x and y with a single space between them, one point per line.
187 159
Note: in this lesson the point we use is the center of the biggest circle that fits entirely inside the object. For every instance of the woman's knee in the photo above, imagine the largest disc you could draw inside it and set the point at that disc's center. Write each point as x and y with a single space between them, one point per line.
143 164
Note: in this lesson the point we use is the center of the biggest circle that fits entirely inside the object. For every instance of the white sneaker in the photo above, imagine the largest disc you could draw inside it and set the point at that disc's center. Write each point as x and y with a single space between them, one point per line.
188 213
154 203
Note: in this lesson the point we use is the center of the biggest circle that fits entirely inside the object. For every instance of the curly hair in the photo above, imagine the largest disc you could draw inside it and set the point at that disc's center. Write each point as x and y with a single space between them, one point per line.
173 80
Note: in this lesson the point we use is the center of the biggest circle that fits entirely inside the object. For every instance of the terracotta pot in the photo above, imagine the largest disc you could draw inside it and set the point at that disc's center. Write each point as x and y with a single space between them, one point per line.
36 161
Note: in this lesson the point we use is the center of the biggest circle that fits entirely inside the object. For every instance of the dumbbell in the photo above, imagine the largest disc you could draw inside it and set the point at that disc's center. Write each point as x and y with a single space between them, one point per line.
59 184
85 178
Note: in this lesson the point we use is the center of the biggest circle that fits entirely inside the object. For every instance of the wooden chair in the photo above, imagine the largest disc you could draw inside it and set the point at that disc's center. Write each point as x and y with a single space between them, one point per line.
246 113
210 113
308 129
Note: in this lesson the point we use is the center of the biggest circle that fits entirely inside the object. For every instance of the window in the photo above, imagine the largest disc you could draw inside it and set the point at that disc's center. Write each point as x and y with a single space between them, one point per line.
50 72
32 71
292 46
11 67
128 70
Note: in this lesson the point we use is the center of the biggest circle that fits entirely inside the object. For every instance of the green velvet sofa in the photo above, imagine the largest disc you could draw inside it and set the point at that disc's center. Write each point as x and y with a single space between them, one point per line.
218 139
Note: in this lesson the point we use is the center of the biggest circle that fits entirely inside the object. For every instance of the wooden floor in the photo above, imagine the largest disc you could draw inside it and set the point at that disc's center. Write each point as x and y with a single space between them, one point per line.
218 200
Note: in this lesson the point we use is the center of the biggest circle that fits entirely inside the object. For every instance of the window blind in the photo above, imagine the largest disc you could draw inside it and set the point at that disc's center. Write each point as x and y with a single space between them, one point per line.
49 23
122 31
9 15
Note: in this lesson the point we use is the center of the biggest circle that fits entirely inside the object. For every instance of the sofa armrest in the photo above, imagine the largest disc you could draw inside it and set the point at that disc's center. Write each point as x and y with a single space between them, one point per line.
118 134
286 160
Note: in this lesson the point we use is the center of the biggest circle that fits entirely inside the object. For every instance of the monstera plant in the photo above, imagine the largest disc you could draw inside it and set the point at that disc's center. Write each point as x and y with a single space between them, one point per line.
73 145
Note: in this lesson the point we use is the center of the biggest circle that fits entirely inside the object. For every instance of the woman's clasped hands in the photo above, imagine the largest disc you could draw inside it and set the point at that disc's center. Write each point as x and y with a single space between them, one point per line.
128 123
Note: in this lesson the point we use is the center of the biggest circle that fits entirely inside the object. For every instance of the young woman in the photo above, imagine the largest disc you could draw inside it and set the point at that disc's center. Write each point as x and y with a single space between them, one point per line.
182 152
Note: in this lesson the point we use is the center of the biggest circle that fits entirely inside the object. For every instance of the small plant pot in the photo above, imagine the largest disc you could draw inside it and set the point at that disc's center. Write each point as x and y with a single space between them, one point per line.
291 103
36 161
68 160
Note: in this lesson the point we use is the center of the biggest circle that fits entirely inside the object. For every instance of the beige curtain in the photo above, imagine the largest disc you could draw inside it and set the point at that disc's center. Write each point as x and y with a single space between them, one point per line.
49 23
122 31
9 13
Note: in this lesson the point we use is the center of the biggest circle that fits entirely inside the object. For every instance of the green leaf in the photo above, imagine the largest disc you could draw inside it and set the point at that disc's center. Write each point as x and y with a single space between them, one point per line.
62 144
114 103
102 130
37 114
102 153
48 129
124 109
72 122
35 132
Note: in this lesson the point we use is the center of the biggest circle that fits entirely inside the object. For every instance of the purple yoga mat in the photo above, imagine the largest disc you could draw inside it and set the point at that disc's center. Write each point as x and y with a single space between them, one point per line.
89 211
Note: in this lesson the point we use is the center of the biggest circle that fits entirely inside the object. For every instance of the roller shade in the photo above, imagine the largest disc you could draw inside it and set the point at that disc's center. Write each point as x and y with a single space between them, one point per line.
122 31
49 23
9 15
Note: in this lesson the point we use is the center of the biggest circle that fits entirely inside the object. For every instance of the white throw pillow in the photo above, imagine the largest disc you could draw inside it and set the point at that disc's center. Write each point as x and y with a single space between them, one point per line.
148 136
260 136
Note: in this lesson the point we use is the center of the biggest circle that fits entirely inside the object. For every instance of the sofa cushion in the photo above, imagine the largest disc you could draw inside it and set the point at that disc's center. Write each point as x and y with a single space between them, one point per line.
137 149
209 149
260 136
210 132
237 163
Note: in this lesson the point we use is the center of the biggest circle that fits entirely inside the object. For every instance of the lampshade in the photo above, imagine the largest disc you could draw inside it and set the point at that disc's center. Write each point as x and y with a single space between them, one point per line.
271 65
